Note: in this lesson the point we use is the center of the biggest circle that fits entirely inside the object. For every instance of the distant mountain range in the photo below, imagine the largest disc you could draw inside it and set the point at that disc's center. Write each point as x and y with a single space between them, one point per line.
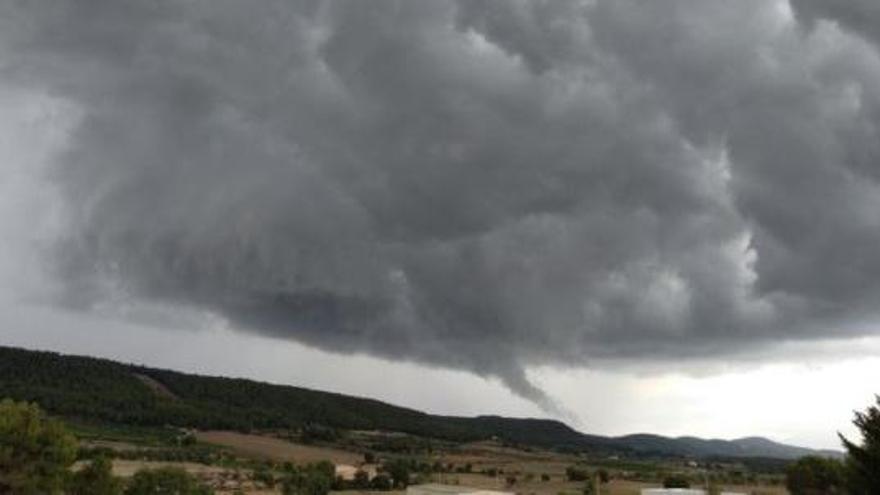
102 390
699 447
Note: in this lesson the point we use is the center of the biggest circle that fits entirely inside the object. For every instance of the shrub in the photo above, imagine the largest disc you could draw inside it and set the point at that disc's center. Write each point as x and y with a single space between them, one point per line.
676 481
95 479
165 481
863 461
815 475
313 479
588 489
398 470
361 479
573 473
263 474
380 482
35 451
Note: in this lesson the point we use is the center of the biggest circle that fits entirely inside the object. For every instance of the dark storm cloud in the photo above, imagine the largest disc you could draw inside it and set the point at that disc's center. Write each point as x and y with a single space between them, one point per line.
861 16
479 185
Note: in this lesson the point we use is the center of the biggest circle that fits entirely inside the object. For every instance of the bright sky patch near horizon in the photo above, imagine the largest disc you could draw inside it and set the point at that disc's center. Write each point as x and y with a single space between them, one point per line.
636 217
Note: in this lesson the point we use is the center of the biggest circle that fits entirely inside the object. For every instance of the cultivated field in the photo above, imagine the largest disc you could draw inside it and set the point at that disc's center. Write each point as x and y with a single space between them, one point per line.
266 447
487 465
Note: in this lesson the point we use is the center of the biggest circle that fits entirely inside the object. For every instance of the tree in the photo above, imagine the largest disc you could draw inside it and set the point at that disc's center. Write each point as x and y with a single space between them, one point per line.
676 481
95 479
589 488
398 470
573 473
313 479
165 481
361 479
35 451
381 482
863 461
813 475
263 474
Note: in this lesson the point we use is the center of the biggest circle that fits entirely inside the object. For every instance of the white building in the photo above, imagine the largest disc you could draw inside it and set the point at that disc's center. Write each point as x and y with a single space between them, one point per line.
437 489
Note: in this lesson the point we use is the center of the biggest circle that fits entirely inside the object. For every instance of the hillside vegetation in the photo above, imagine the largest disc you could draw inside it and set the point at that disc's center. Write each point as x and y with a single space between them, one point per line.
102 390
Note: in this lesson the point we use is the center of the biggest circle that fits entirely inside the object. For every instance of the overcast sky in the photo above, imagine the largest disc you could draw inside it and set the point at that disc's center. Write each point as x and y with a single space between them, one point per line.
636 216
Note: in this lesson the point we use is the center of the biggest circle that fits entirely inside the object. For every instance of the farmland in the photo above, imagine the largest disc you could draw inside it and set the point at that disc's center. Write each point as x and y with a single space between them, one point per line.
267 447
243 435
235 458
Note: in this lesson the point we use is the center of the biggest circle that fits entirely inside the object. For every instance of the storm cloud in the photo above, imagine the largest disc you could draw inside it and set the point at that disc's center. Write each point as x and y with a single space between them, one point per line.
481 185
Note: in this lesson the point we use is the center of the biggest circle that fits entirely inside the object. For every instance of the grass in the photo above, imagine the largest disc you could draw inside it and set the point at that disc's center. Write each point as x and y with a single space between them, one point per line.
137 435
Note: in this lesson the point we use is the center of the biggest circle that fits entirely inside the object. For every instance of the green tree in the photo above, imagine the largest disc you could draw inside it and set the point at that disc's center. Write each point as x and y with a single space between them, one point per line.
589 488
398 470
813 475
95 479
676 481
361 479
314 479
263 474
381 482
165 481
863 461
35 451
573 473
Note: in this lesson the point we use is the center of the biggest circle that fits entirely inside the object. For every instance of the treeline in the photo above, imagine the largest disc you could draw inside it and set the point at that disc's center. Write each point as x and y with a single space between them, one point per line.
101 390
37 455
857 474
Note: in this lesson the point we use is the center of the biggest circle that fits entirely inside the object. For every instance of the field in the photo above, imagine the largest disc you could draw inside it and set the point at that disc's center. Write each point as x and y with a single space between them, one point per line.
241 434
487 465
267 447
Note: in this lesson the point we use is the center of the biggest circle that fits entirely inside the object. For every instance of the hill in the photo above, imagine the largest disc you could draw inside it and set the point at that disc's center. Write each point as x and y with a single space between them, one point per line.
94 389
753 447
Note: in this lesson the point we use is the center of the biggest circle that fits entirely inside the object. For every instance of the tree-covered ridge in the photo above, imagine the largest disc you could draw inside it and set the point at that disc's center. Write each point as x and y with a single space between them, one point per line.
103 390
99 389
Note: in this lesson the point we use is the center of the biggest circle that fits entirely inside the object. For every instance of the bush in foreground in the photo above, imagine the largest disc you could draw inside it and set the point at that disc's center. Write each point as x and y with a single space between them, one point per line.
863 461
35 451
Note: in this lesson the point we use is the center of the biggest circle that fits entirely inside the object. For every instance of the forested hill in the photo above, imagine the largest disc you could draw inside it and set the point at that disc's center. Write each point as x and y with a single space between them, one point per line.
102 390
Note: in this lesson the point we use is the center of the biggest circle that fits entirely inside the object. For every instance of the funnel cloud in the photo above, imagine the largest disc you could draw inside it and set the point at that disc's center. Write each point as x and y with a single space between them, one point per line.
479 185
